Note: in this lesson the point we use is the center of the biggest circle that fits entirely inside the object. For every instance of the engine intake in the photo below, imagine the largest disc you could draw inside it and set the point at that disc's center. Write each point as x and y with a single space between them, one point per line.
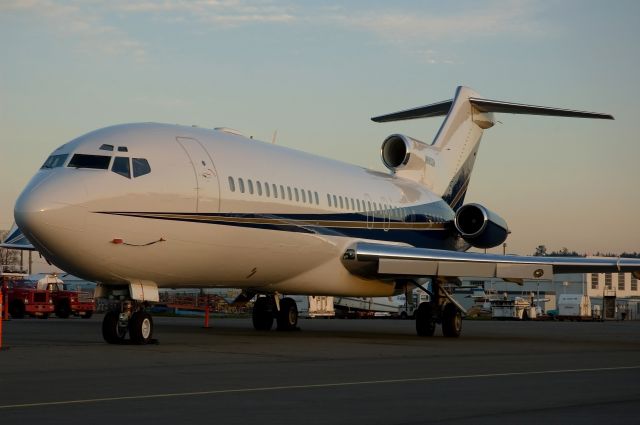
481 227
400 152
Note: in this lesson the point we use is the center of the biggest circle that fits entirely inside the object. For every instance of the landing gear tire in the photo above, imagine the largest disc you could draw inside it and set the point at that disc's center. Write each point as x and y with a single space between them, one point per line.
63 310
404 316
262 315
16 310
112 332
288 315
451 321
425 323
140 328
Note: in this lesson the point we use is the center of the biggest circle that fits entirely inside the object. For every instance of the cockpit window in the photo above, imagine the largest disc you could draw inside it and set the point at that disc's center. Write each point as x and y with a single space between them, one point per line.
121 166
99 162
55 161
106 147
122 149
140 167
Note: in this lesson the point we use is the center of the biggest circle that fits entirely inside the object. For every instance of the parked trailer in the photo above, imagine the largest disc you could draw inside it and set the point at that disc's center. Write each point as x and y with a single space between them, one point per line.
574 307
314 306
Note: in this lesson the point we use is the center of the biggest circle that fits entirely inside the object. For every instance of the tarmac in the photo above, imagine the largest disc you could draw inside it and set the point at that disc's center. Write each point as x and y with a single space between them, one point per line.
331 372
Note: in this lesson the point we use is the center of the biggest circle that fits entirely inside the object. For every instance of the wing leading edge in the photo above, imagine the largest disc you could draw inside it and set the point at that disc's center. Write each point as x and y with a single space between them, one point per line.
387 261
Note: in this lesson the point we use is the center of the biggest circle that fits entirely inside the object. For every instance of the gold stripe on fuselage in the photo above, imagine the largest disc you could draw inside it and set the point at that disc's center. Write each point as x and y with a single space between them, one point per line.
344 224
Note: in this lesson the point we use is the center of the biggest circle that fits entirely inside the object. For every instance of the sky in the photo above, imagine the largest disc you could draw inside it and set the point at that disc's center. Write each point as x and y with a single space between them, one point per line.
316 71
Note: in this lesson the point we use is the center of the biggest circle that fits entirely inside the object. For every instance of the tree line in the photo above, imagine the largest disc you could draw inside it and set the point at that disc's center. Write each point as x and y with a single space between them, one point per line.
542 251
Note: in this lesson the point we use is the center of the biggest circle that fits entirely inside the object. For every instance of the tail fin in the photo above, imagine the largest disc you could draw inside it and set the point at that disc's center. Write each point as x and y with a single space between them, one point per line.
454 149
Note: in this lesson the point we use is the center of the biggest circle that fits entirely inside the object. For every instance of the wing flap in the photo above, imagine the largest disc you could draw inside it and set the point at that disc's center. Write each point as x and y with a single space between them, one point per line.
374 260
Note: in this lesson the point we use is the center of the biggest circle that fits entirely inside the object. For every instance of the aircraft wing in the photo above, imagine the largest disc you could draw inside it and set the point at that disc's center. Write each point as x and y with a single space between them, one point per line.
16 240
388 261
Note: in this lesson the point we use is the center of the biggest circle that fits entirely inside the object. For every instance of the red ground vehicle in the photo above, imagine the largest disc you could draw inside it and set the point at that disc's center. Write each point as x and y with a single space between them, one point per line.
67 302
23 299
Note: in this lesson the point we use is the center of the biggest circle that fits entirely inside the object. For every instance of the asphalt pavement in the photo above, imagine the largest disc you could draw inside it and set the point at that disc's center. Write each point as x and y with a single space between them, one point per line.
330 372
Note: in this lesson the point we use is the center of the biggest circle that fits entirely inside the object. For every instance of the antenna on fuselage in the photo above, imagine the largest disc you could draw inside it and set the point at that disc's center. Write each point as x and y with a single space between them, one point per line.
273 138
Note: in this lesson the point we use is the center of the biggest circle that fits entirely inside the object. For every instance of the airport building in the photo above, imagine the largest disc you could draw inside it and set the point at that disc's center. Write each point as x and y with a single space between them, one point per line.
621 288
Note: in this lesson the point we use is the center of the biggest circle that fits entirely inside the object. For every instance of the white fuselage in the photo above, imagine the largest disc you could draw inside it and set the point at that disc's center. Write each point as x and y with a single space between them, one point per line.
219 209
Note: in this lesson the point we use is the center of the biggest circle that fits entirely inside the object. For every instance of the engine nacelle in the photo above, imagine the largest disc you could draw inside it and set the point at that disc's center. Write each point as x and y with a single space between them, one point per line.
400 152
480 227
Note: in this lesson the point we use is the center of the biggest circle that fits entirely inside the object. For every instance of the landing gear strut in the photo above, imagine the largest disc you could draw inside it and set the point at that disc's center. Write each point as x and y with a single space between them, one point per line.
441 308
129 318
268 308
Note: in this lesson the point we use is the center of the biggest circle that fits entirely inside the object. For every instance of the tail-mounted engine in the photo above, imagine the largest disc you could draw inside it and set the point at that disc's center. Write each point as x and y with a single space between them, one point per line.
480 227
400 152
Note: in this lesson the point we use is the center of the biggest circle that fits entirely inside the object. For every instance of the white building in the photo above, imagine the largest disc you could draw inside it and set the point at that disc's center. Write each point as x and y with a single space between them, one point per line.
624 285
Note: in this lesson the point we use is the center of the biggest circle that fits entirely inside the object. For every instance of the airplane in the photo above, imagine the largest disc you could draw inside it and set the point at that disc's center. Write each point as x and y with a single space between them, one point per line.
137 207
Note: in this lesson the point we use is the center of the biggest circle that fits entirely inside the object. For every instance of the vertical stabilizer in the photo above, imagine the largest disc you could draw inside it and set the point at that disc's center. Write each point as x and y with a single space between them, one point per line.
455 147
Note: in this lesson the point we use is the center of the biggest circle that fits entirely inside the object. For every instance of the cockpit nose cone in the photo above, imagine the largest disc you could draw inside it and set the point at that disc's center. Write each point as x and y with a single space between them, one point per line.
50 206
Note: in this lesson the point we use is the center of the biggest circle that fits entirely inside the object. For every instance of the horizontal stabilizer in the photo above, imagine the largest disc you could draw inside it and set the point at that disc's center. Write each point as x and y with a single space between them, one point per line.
433 110
487 105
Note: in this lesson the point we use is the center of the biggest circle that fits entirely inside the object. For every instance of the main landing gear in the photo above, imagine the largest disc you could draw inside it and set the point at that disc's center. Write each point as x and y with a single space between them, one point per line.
129 318
270 307
441 308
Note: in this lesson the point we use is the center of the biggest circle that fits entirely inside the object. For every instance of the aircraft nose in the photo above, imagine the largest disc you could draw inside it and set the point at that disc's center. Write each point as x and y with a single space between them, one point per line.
50 209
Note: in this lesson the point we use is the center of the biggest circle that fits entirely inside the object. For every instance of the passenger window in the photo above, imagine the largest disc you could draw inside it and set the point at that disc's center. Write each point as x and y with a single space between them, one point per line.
329 199
266 190
353 205
317 199
241 184
369 205
304 196
232 184
335 201
275 190
295 190
289 192
140 167
259 187
250 185
98 162
358 203
55 161
121 166
340 199
282 191
106 147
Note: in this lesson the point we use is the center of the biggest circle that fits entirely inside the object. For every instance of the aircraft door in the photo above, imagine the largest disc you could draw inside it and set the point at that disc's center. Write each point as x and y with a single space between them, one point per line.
207 186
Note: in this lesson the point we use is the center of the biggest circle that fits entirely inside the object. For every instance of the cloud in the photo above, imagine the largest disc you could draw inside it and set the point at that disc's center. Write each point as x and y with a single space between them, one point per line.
420 33
75 20
225 13
491 19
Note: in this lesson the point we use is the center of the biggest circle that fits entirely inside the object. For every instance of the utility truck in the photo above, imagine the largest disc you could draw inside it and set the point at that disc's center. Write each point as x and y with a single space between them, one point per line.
67 302
23 298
